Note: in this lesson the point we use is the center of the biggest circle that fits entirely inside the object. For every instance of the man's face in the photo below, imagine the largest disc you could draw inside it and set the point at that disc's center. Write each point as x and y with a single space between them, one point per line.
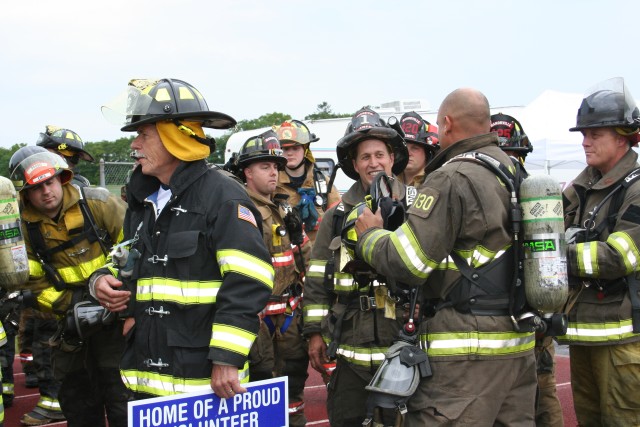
262 177
417 158
46 198
372 157
603 148
294 155
151 154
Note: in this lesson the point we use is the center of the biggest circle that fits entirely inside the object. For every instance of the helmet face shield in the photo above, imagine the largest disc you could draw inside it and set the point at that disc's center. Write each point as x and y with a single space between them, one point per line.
38 168
608 104
264 147
150 101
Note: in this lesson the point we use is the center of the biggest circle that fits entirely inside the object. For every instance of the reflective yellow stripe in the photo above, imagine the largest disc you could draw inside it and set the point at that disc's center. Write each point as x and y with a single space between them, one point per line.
181 292
478 343
362 356
624 244
231 338
598 332
315 312
35 269
49 403
316 268
158 384
48 297
234 261
81 272
3 335
587 255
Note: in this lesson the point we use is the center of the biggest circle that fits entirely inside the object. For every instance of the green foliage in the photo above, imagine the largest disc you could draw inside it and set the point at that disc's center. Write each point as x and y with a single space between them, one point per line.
324 111
5 156
110 151
266 120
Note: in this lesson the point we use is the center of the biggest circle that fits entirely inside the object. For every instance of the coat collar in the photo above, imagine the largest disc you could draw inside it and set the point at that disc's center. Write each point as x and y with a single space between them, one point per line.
590 177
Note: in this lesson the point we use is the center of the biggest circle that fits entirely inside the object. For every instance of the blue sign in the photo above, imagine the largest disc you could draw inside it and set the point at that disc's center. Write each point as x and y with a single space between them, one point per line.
265 404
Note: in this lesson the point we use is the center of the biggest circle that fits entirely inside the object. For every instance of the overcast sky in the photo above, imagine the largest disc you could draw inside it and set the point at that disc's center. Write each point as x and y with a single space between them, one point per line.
61 60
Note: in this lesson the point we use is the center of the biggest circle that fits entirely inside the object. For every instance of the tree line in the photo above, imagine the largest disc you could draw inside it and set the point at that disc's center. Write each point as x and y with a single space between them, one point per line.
118 150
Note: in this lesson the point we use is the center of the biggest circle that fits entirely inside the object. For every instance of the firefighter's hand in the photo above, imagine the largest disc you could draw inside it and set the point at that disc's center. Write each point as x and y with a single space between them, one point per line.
317 353
107 292
368 220
224 381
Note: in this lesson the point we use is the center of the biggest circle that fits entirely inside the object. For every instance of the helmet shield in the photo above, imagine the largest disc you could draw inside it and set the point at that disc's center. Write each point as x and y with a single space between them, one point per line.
264 147
608 104
295 132
367 124
511 136
149 101
37 168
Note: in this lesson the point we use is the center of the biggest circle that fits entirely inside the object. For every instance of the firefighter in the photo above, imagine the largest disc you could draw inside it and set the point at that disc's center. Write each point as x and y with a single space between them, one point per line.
602 216
192 227
67 233
280 349
340 320
421 138
69 145
456 244
513 140
301 179
3 341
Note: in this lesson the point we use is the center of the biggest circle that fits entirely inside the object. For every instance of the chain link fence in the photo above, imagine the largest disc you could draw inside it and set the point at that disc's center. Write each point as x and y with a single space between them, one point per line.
113 175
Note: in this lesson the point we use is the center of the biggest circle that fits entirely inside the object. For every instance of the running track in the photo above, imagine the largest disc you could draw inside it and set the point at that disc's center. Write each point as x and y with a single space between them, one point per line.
315 394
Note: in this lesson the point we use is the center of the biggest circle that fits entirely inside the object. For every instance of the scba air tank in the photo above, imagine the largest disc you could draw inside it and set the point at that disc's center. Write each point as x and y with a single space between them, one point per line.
14 265
545 263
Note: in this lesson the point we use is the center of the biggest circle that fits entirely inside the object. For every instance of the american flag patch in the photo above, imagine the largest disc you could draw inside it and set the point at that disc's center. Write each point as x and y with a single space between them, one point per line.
244 213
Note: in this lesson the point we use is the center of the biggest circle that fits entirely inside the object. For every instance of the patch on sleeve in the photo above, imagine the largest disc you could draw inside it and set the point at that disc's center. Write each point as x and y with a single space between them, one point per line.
632 214
245 214
424 202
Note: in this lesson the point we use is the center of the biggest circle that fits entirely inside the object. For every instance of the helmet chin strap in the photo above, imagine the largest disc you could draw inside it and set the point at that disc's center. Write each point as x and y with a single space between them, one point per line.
210 142
301 164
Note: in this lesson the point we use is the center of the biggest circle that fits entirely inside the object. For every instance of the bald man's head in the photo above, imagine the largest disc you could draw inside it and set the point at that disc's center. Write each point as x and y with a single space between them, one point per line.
464 113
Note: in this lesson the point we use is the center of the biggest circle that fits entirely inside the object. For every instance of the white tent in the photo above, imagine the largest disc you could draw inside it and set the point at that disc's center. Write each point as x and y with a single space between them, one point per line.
546 121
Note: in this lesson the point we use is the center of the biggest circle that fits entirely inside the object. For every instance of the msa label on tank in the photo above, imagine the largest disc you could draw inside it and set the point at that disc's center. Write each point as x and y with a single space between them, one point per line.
10 233
543 208
544 246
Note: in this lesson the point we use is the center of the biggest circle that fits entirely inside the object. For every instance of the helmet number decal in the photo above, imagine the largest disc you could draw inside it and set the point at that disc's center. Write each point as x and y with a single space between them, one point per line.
424 202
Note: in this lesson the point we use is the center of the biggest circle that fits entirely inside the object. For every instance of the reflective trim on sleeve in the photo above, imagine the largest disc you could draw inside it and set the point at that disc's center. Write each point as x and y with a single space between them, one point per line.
35 269
231 338
284 259
587 254
3 335
316 268
477 343
411 253
598 332
624 244
235 261
315 312
81 272
173 290
48 297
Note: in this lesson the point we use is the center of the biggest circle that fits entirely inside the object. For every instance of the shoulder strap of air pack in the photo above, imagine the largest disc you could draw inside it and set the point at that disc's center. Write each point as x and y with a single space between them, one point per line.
512 182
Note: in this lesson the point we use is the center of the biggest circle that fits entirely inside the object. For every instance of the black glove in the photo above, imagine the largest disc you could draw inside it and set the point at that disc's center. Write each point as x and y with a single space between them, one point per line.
293 222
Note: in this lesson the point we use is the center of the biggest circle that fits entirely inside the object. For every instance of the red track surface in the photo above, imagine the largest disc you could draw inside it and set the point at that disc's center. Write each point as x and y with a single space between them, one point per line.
315 395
